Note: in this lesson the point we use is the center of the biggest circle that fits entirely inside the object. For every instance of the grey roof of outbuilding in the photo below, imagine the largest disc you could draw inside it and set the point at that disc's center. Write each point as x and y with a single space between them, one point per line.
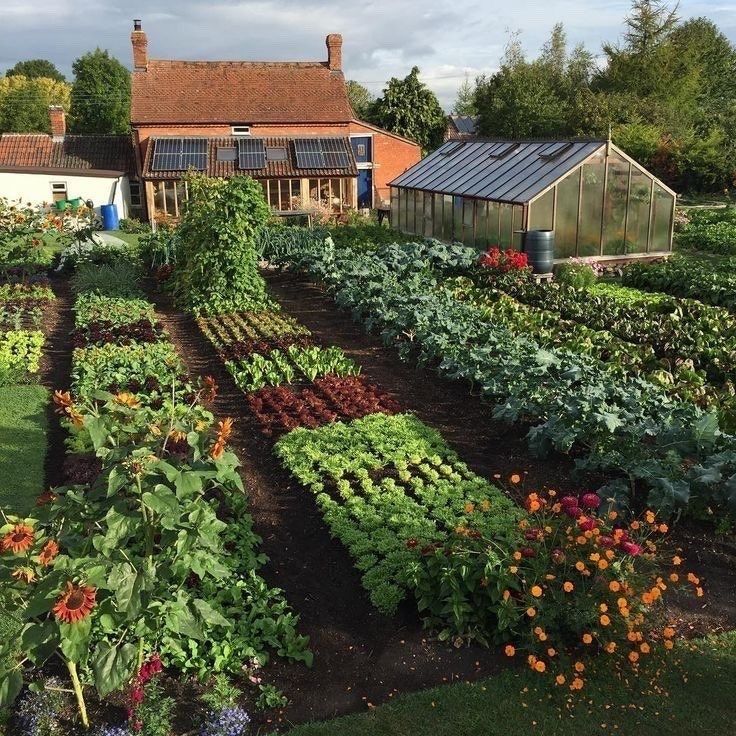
469 169
464 124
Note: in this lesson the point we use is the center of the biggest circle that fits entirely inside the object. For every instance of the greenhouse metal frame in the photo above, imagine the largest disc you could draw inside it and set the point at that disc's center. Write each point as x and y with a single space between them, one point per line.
600 202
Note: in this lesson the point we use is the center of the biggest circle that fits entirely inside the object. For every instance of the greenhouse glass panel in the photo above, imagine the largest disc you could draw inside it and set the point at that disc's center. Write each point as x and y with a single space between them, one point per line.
395 207
428 216
614 213
566 218
506 226
457 218
518 223
661 219
418 228
402 210
439 218
591 207
494 214
481 223
468 221
637 219
447 216
541 212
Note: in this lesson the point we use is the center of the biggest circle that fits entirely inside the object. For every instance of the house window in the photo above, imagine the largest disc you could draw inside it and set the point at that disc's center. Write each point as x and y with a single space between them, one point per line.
58 191
283 195
240 129
135 193
169 197
333 193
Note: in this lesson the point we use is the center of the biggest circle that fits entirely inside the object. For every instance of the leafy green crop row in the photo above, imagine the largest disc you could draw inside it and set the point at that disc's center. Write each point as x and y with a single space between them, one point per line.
624 426
710 230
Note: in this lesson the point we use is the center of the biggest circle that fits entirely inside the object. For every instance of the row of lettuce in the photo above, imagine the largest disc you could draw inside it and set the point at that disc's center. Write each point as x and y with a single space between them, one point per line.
653 442
147 557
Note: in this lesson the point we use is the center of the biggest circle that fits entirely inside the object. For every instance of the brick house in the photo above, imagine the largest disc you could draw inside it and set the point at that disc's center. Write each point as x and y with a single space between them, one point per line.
43 169
287 124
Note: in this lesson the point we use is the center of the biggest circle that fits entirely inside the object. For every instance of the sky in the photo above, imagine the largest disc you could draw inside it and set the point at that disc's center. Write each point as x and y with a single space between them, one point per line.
447 39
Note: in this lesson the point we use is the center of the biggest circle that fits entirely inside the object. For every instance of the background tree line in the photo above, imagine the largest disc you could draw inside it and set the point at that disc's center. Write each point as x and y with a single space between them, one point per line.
97 101
666 91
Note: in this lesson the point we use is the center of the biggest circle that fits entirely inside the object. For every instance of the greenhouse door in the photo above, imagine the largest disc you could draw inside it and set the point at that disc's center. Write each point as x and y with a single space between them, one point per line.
365 188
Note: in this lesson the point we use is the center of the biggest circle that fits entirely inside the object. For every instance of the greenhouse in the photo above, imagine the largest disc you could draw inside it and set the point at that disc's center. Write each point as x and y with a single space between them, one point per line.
597 200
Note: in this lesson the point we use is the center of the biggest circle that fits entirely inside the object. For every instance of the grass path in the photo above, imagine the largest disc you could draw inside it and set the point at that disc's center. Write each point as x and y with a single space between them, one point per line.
696 694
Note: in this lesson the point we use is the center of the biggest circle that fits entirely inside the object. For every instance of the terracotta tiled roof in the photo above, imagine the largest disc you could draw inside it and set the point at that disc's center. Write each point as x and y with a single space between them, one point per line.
238 92
274 169
111 153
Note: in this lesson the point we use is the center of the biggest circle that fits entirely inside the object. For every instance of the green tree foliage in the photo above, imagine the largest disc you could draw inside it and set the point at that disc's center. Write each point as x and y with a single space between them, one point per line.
409 108
667 90
361 100
35 68
465 100
24 103
100 100
217 262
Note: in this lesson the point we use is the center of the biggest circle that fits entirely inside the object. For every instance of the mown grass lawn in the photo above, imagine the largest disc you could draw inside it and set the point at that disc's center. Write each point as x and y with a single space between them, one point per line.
695 694
23 428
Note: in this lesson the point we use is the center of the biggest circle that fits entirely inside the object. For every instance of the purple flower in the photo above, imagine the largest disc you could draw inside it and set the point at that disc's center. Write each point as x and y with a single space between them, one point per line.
229 721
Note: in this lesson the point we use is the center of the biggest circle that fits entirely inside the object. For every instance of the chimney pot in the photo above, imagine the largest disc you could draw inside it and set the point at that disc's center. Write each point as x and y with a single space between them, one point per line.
139 41
334 52
57 117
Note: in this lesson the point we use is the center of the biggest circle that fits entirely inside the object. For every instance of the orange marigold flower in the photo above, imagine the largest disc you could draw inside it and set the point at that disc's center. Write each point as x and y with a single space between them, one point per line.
650 517
614 586
580 566
668 632
635 524
579 667
663 528
75 603
517 555
568 587
610 647
560 679
513 569
48 553
676 560
646 599
602 564
18 540
515 478
699 592
576 684
587 639
26 574
692 578
633 657
668 644
605 620
603 607
539 666
469 507
536 591
644 647
551 652
613 515
531 612
622 603
674 577
509 651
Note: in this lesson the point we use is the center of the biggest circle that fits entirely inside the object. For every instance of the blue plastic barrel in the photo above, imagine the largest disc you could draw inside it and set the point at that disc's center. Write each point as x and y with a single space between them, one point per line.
110 219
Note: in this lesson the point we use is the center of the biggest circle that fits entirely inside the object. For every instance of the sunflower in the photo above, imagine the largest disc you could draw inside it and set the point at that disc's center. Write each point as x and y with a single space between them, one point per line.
75 603
19 540
25 574
48 553
127 399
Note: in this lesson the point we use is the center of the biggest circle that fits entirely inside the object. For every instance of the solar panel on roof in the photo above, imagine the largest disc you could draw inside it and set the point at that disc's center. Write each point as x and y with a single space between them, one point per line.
251 153
179 154
321 153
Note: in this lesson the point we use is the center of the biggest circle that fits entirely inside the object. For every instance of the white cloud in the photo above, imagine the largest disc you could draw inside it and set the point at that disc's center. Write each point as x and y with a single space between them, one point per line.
445 38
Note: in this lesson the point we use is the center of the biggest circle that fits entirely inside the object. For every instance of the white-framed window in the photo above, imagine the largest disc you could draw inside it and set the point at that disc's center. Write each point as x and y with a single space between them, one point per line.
240 130
135 193
58 191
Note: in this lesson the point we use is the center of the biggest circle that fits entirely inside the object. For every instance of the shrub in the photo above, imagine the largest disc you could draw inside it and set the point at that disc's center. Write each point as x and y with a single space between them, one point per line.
217 261
576 275
134 226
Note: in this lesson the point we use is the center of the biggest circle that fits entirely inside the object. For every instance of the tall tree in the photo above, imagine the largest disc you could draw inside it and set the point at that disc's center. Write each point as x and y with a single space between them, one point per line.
409 108
100 101
361 100
35 68
24 103
649 24
465 100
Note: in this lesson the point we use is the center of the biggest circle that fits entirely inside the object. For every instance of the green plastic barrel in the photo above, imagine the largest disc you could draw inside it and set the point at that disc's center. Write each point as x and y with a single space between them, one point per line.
539 246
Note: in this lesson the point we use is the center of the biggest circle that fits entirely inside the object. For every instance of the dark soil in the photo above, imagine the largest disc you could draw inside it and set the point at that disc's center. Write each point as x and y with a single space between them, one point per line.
56 371
363 658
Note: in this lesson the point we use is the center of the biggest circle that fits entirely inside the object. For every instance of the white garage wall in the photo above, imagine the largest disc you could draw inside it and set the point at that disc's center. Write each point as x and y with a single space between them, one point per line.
36 189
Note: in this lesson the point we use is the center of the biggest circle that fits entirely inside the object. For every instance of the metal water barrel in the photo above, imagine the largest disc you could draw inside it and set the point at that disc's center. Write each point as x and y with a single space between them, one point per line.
539 246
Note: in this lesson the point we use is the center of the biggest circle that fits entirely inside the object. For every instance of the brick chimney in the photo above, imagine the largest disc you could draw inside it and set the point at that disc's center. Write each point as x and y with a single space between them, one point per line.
57 116
334 52
140 47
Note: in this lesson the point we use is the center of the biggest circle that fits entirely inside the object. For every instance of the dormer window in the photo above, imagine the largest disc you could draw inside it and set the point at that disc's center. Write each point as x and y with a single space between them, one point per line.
240 129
